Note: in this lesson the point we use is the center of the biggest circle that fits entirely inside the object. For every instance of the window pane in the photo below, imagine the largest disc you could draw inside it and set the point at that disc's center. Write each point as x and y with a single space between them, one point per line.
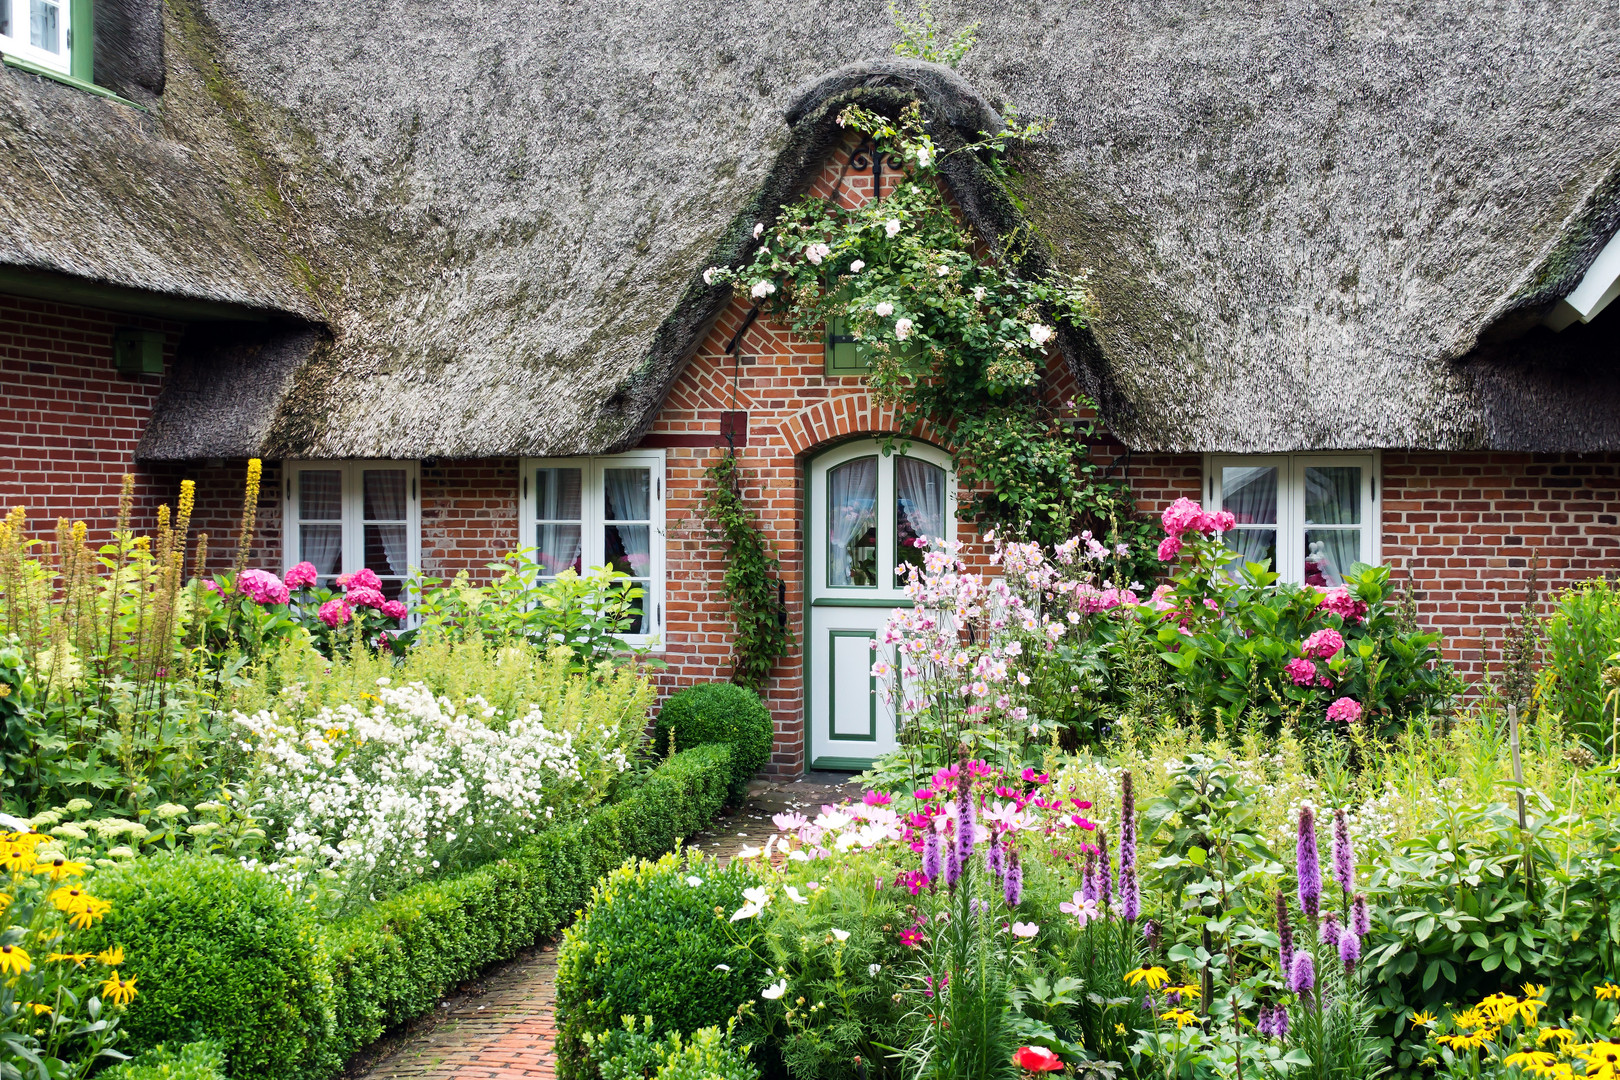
321 545
629 494
386 553
556 495
1333 495
1250 493
384 494
638 620
628 548
919 509
5 18
320 495
1329 553
45 25
558 549
1253 545
852 523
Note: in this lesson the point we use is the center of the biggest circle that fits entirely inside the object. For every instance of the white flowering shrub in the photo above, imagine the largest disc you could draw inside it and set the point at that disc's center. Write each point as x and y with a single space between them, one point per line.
362 800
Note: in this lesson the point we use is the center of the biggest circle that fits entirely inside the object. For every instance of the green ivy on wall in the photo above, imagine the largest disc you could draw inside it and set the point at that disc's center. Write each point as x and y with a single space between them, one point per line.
752 574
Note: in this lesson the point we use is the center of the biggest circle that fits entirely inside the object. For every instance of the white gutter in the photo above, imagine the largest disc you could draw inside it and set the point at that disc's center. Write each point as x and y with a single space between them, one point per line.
1600 285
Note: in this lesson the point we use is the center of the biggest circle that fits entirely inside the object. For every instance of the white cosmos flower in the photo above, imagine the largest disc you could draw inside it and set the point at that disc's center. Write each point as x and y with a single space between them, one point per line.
749 851
1040 334
873 969
841 935
794 895
762 289
1025 929
774 991
902 328
693 880
892 227
884 309
759 227
857 266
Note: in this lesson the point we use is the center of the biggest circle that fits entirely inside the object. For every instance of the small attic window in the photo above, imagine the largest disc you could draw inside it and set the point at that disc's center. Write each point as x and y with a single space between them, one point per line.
38 31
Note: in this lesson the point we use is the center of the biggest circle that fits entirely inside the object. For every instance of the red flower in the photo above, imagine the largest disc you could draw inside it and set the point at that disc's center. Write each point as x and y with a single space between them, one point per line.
1037 1059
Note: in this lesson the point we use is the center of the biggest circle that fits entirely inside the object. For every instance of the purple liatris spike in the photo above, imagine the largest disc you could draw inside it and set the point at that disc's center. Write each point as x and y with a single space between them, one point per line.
1105 888
1150 934
1285 934
1344 856
1279 1021
1263 1025
1330 931
1088 878
1130 896
994 858
1303 975
1013 883
1310 864
953 866
1360 921
931 862
1349 949
966 818
1127 825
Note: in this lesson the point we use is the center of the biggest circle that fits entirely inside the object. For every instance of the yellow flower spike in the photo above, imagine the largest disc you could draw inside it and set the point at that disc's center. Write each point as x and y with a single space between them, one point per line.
1155 977
1119 1029
112 957
14 960
1182 1017
118 992
1607 991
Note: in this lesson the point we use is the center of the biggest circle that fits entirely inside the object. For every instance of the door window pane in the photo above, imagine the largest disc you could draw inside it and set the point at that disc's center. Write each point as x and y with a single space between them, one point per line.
919 510
627 497
321 544
629 494
1333 495
852 523
1250 494
45 25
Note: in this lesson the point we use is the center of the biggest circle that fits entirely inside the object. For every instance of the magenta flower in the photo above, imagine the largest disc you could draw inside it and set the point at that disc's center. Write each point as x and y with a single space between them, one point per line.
1324 644
1345 710
1344 856
995 859
1309 864
1303 975
1169 548
1329 934
262 587
394 609
334 613
301 576
966 822
360 579
1105 873
362 596
1349 949
1338 601
1301 671
1088 878
1013 883
1182 516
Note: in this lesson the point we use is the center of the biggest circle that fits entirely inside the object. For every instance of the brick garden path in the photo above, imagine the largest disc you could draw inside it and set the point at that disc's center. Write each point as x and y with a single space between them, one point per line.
500 1026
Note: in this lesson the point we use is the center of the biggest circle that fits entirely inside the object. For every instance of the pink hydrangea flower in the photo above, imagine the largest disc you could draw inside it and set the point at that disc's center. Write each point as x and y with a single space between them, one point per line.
1345 710
211 585
360 579
1182 516
1324 644
362 596
334 613
1222 521
1338 601
301 576
262 587
1301 671
394 609
1169 547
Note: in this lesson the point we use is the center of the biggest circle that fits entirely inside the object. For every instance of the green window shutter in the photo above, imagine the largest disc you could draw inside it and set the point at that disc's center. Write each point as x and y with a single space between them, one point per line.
82 40
843 357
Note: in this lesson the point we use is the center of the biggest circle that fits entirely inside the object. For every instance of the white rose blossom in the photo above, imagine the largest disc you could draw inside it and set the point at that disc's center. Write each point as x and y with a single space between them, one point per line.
902 328
892 227
762 289
1040 334
857 266
759 227
816 253
884 309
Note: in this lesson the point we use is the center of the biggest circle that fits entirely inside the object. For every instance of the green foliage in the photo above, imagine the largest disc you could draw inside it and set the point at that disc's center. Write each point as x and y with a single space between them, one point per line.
193 1061
654 941
953 338
707 1055
719 713
923 39
1580 643
762 634
220 952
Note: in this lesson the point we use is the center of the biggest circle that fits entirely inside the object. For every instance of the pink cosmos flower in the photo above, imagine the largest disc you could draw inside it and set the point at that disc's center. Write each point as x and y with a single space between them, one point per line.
360 579
1346 710
394 609
334 613
1182 516
262 587
1324 644
1301 671
361 596
1169 547
301 576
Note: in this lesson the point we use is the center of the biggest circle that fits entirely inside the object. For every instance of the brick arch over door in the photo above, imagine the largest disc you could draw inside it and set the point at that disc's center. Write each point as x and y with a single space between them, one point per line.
820 426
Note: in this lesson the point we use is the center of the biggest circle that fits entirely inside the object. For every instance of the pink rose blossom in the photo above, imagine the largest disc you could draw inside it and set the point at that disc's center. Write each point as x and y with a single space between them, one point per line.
1182 516
1169 548
1345 710
262 587
394 609
334 613
361 596
1324 644
301 576
1301 670
360 579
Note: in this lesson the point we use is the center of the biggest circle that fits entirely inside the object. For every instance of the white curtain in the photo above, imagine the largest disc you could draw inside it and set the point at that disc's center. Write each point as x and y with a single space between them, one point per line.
385 502
920 495
320 516
629 494
1250 493
851 513
1332 497
322 545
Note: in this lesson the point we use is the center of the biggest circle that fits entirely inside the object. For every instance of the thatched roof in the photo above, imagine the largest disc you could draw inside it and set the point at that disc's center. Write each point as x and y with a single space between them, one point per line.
1309 226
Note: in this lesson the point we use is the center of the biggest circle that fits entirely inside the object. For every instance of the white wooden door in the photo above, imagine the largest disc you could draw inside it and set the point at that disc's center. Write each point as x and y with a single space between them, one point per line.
866 509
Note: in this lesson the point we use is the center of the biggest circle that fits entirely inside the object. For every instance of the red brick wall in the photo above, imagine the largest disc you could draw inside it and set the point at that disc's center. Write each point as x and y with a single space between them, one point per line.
469 515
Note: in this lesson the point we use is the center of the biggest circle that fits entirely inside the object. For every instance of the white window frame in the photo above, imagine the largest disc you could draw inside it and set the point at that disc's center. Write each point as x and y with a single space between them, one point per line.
19 42
1291 501
354 531
593 524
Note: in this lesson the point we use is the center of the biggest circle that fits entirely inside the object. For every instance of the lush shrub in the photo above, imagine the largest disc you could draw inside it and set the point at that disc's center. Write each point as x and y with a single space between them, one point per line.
193 1061
1580 640
720 713
220 952
654 942
635 1052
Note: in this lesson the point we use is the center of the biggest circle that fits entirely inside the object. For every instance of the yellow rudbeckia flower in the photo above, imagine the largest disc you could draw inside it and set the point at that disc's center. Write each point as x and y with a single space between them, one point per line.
1182 1017
1564 1036
1602 1059
112 957
1607 991
1423 1019
118 992
1155 977
1535 1062
14 960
